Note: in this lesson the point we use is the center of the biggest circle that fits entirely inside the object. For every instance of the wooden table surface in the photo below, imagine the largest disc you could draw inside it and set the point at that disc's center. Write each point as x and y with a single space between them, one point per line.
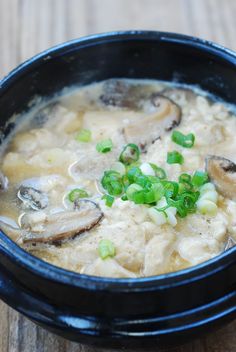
30 26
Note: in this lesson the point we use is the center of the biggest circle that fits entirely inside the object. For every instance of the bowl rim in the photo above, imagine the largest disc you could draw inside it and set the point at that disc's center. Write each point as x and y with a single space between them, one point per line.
44 269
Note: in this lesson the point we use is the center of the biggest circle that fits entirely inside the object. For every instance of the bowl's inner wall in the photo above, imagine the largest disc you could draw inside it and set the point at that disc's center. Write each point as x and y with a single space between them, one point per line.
84 63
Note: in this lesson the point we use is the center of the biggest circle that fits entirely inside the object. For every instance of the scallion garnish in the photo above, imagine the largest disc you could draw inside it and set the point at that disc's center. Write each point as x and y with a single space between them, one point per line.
106 249
171 188
189 200
104 146
129 154
146 183
84 136
112 183
186 141
109 200
155 193
143 181
133 174
132 189
77 193
135 193
175 158
159 172
124 197
185 181
185 178
199 178
119 167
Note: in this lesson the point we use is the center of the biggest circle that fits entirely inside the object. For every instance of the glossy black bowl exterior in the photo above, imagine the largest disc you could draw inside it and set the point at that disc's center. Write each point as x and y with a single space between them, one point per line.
164 309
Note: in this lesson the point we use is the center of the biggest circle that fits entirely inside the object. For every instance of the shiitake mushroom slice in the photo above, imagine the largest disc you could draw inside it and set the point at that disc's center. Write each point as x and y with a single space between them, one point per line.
32 198
61 226
165 116
222 172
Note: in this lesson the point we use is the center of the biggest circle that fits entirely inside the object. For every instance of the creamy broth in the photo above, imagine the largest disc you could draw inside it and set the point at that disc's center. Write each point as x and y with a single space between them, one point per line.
61 202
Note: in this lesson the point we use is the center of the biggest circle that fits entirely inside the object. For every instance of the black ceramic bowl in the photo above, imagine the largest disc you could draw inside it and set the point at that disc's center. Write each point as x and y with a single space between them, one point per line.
165 309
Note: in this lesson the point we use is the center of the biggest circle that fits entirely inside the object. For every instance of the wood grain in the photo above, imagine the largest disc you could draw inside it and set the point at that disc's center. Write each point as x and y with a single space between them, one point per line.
30 26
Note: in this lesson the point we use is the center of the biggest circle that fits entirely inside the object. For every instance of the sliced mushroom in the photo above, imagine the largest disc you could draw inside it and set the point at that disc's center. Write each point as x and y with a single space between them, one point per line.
120 93
61 226
222 172
32 198
230 243
184 94
42 115
3 182
165 117
178 93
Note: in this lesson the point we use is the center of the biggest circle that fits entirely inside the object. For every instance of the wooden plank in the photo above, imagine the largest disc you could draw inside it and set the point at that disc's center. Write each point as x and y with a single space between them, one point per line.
9 31
30 26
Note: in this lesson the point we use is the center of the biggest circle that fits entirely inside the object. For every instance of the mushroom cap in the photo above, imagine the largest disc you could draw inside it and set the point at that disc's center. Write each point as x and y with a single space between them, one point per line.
42 115
57 227
120 93
165 116
178 93
222 172
32 198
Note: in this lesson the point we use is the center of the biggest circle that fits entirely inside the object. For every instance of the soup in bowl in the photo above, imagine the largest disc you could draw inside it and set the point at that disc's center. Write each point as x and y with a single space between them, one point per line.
122 178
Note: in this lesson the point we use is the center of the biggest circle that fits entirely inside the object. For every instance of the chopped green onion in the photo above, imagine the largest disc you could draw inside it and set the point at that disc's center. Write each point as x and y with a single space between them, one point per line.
154 194
189 200
175 158
162 209
84 136
184 203
125 181
207 187
147 169
199 178
183 178
171 188
109 200
119 167
157 216
153 179
139 197
112 183
136 193
210 195
182 187
106 249
77 193
104 146
185 182
124 197
159 172
178 204
134 164
132 189
133 174
129 154
143 181
144 195
206 207
186 141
